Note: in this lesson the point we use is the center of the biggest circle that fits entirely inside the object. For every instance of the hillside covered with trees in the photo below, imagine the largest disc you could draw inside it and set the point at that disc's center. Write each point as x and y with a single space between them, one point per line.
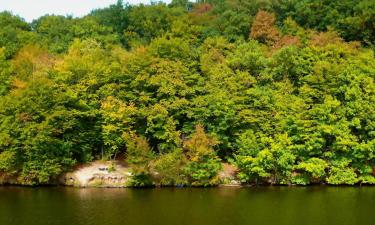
281 89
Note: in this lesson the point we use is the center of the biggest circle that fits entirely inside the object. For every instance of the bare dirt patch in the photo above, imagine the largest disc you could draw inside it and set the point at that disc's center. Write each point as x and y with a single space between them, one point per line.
98 174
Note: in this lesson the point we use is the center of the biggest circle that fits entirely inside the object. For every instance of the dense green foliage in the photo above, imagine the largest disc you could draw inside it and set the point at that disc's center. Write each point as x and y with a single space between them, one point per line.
283 90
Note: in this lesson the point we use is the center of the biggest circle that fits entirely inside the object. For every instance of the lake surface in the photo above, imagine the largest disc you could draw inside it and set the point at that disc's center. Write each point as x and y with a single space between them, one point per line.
188 206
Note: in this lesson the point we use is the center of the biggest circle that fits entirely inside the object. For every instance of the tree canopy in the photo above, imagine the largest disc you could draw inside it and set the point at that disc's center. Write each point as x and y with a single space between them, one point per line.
282 90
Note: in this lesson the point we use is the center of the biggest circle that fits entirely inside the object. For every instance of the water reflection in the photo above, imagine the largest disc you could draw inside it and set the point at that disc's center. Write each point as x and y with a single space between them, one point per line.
194 206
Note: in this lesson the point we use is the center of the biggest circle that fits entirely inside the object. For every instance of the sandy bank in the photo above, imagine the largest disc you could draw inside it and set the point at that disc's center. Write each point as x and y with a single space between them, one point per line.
98 174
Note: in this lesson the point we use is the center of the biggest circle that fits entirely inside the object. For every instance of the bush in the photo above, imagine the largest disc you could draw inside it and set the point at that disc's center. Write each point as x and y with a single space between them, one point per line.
339 176
168 169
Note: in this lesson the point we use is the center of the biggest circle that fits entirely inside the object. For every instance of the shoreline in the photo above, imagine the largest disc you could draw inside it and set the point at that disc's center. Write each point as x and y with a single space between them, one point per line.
117 174
54 185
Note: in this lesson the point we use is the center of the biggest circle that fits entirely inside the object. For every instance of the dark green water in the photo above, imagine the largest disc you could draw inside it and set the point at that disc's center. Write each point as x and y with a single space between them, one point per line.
216 206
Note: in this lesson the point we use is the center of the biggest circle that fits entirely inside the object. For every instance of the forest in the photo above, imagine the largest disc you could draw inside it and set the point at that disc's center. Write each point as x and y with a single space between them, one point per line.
283 90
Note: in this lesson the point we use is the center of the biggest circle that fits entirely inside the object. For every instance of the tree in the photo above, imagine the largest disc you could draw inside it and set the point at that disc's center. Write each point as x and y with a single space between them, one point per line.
139 156
115 16
14 33
203 164
263 28
5 73
40 130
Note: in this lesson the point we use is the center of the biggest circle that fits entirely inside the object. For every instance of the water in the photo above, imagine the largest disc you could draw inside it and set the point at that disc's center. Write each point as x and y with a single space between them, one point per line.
190 206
